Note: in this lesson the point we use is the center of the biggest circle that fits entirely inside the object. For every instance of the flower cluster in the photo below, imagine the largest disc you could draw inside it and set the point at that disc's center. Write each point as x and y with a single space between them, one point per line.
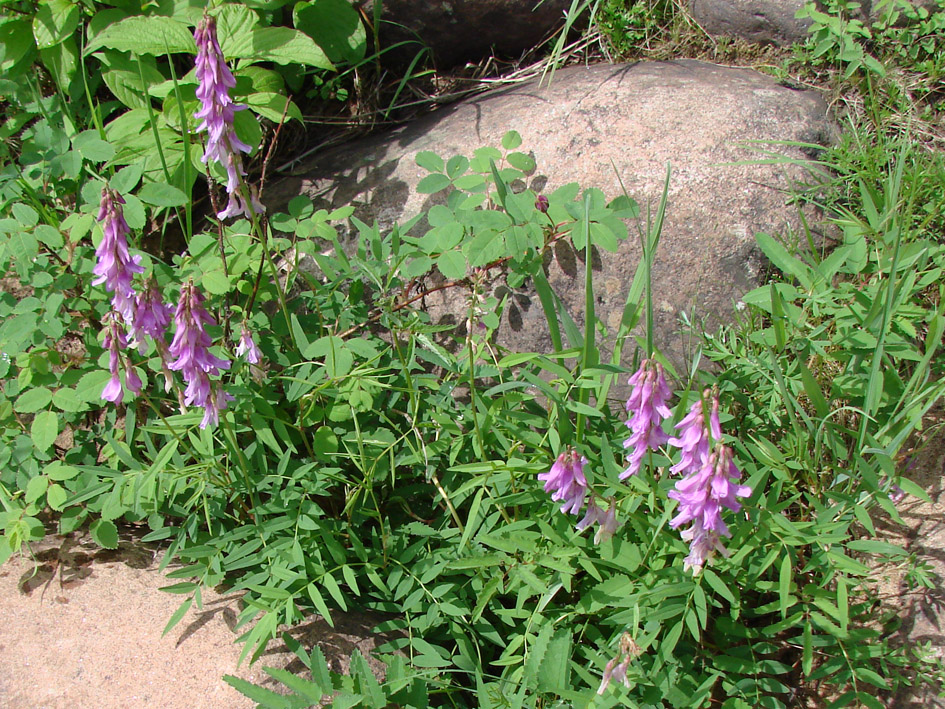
192 358
566 482
115 341
646 408
216 114
606 519
708 484
113 265
709 474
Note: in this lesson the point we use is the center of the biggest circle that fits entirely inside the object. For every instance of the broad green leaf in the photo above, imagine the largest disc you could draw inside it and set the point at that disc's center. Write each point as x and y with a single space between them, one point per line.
452 265
432 183
44 429
33 400
54 21
152 34
90 386
555 669
273 106
429 161
92 147
335 26
56 496
104 533
66 399
284 45
58 470
235 24
511 140
161 194
36 488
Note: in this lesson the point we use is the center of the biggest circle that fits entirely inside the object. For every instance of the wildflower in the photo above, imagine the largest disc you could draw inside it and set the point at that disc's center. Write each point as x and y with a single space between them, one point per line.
607 520
114 342
565 481
248 347
541 204
617 671
701 495
647 409
216 115
694 438
151 317
191 350
113 265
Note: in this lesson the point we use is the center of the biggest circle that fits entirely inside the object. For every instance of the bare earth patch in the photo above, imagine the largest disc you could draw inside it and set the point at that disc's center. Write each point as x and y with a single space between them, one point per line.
81 627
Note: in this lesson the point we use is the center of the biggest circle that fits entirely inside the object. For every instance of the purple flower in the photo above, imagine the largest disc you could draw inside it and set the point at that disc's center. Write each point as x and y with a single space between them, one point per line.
216 115
248 347
114 342
606 519
616 668
191 350
152 316
694 438
647 409
541 204
113 265
701 495
614 671
565 481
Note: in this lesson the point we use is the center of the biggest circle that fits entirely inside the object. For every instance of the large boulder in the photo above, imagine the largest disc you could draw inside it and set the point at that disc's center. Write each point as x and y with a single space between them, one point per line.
468 30
599 126
757 21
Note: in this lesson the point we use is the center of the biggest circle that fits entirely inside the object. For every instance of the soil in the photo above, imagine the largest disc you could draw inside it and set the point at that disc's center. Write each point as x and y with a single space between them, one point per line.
80 627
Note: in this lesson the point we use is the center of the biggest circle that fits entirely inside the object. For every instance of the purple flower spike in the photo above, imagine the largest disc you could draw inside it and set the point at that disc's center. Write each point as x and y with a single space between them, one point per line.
694 438
152 316
248 347
114 342
113 265
565 481
647 409
701 495
216 115
191 350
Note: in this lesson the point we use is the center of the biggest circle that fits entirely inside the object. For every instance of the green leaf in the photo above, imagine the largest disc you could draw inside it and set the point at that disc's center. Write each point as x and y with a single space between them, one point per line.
92 147
161 194
33 400
335 26
511 140
105 534
432 183
521 161
54 21
49 235
554 670
25 214
452 265
153 34
56 496
178 614
783 261
36 488
429 161
57 470
235 24
44 429
284 45
272 106
90 386
66 399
